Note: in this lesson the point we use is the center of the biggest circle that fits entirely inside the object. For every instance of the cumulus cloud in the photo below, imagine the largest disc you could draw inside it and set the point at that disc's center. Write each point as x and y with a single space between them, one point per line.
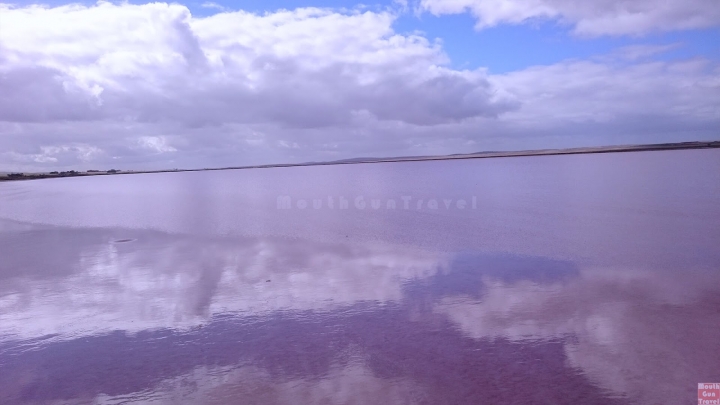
590 92
591 18
155 62
152 86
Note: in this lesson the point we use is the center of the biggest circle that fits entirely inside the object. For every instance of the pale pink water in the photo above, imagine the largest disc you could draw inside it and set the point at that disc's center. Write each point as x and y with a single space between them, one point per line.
591 279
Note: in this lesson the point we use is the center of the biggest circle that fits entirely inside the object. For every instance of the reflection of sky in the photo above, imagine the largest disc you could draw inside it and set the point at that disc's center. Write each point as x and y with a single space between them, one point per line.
577 280
159 280
644 334
277 320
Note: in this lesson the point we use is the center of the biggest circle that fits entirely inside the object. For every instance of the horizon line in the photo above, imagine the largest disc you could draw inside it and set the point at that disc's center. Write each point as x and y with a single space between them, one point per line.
474 155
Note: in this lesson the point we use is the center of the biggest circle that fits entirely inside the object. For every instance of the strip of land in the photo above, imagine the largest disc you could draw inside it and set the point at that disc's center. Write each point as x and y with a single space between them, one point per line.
479 155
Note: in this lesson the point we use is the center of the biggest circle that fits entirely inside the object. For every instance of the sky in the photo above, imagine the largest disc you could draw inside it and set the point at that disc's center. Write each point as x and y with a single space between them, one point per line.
200 84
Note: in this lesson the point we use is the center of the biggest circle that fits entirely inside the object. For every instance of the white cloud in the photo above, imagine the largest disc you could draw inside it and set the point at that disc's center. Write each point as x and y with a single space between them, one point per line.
52 153
331 85
210 4
158 144
155 62
587 92
636 52
591 18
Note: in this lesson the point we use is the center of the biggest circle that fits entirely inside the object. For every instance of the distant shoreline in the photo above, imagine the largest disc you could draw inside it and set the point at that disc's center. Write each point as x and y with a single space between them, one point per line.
479 155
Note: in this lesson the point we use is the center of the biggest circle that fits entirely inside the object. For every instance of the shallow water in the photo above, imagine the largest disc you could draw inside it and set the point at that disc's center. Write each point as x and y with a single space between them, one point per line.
587 279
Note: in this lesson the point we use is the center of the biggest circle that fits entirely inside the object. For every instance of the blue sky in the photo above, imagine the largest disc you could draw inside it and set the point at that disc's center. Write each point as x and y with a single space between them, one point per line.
513 47
152 85
507 47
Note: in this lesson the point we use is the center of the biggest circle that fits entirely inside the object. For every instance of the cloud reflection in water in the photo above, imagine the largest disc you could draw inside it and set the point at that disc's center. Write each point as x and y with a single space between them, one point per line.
178 319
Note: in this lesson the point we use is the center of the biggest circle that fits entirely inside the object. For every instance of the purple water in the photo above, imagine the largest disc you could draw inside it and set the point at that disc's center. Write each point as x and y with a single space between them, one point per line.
587 279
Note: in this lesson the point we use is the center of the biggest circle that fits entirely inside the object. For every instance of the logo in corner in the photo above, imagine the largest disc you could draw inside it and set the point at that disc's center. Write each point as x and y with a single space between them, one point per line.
709 393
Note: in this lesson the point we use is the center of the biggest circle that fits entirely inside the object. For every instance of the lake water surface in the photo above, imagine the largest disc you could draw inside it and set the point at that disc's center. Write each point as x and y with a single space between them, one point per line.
584 279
